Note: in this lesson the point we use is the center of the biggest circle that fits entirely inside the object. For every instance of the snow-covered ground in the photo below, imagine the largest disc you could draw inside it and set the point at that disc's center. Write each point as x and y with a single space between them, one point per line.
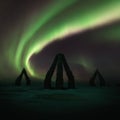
36 103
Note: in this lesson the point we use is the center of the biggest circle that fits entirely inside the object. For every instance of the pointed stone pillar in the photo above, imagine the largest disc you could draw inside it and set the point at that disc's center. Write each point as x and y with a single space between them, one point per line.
71 81
59 75
47 81
28 81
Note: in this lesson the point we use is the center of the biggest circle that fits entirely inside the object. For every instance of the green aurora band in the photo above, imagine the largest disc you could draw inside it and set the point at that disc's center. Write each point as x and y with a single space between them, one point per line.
59 20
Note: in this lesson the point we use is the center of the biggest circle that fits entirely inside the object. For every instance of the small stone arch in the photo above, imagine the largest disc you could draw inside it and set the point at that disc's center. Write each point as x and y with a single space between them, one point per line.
19 78
100 77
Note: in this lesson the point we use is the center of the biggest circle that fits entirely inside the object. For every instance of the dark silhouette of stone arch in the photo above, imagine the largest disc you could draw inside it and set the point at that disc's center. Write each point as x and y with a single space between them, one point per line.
71 82
59 62
47 82
100 77
19 78
59 74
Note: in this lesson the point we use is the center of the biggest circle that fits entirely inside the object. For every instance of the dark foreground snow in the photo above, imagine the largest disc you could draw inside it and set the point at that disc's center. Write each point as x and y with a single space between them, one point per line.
39 104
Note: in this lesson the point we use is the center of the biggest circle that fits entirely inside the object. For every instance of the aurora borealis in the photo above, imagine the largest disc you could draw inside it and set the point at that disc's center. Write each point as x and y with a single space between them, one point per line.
86 31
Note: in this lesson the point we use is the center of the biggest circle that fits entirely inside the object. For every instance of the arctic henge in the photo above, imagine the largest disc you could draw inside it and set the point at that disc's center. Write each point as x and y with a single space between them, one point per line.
19 78
100 77
60 62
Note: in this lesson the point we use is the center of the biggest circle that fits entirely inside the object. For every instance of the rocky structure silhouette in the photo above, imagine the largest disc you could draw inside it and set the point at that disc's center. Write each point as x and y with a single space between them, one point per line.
19 78
100 78
60 62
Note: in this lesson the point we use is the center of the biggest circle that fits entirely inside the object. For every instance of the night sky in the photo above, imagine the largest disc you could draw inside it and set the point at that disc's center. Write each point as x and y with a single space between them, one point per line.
87 32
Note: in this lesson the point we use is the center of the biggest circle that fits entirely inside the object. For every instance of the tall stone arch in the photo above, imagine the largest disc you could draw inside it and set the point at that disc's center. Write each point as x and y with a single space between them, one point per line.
61 63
